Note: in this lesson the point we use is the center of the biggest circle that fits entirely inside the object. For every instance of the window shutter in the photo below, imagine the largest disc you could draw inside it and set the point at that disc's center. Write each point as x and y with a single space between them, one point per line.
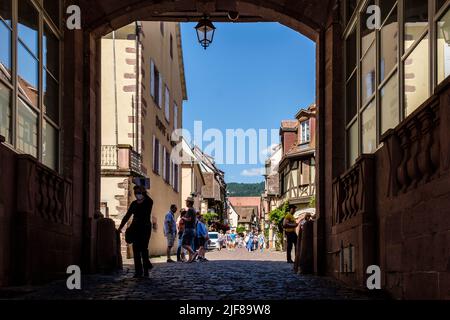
152 78
160 91
175 116
167 104
154 154
164 163
159 159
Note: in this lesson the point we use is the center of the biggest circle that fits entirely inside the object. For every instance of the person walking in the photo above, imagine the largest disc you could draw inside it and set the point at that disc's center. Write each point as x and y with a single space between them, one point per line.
170 230
202 238
233 240
180 229
140 230
255 241
261 241
189 229
289 225
250 242
221 239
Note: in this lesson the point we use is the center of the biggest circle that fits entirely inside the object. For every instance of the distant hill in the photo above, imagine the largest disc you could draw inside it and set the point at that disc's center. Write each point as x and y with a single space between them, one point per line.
245 189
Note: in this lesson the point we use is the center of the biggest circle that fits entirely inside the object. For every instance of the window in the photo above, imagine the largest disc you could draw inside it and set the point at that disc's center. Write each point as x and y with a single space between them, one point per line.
171 47
156 156
389 73
167 104
416 75
30 106
167 166
175 116
306 134
5 112
164 163
175 177
155 84
390 115
443 47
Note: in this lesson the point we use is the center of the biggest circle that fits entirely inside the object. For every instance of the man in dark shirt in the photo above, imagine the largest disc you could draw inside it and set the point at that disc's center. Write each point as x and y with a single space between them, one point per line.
189 228
141 228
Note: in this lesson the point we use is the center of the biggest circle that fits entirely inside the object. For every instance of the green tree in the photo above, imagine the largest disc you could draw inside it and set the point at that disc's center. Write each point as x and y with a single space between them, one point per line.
210 216
240 229
312 203
276 216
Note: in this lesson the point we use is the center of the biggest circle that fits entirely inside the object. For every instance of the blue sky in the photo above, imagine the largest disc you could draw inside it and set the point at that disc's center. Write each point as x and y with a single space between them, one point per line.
252 76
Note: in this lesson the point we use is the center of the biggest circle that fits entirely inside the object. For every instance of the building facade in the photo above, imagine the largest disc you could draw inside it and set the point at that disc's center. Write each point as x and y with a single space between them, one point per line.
249 211
143 89
214 189
296 169
192 176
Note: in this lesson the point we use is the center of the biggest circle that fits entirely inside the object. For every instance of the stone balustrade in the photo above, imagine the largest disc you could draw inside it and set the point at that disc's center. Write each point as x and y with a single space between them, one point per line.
353 191
413 149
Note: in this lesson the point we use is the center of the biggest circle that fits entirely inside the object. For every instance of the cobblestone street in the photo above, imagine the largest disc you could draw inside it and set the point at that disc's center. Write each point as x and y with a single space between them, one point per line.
228 275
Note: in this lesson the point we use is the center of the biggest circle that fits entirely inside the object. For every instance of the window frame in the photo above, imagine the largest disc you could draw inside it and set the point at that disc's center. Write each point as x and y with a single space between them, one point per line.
44 22
354 23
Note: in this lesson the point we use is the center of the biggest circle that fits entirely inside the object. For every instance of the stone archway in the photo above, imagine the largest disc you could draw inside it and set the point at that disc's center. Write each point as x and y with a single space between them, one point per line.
82 92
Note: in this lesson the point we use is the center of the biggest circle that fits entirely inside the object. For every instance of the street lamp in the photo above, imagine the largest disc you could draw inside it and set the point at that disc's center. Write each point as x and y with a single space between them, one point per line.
205 32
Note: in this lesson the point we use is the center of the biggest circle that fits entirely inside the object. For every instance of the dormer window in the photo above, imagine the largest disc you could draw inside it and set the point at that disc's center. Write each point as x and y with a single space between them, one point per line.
305 132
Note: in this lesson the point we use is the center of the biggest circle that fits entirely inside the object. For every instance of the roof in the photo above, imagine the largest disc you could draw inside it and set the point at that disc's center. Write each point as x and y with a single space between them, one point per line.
245 201
299 150
181 61
306 113
289 125
246 213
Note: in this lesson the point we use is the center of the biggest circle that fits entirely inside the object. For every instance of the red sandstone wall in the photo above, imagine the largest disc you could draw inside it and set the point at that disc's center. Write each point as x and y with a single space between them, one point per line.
289 140
7 205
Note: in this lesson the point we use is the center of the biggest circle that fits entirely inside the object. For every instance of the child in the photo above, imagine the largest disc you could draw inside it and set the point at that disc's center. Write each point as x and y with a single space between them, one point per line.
202 235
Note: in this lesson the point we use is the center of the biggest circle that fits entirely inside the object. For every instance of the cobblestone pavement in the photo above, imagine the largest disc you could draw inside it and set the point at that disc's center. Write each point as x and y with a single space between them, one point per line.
228 275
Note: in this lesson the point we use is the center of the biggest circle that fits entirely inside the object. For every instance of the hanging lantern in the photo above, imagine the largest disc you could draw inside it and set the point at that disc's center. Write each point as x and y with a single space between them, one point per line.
205 32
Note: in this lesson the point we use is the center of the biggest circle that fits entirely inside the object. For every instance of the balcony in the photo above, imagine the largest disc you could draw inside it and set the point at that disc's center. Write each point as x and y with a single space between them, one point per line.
302 193
120 159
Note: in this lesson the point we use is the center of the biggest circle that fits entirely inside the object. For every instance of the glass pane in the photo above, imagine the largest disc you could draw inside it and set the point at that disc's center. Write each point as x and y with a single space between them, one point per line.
51 97
369 128
5 52
417 77
53 8
390 112
28 26
351 6
389 45
439 4
367 34
51 52
27 129
50 146
350 46
368 75
5 112
28 75
443 47
416 20
386 8
5 10
351 95
352 143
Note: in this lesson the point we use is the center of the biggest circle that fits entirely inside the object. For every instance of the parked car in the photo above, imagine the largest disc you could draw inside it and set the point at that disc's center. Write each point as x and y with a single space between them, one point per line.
213 240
